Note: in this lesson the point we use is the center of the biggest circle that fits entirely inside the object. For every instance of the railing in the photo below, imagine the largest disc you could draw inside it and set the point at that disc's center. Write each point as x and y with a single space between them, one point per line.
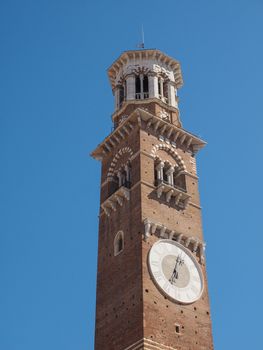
172 193
160 182
141 95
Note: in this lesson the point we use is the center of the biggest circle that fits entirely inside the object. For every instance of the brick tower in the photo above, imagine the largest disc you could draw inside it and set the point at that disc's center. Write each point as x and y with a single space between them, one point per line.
151 281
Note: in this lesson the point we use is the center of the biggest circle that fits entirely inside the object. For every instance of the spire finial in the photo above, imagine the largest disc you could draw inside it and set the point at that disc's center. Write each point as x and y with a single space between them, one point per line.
142 37
141 44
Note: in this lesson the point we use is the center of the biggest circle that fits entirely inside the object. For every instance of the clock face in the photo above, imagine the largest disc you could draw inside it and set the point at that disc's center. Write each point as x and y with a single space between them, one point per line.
176 271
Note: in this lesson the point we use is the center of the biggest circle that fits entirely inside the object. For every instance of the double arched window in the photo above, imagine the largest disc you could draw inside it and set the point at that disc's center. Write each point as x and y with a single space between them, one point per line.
121 177
141 89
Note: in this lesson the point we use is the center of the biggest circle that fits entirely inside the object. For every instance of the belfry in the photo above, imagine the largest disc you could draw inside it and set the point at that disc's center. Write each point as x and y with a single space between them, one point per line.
152 288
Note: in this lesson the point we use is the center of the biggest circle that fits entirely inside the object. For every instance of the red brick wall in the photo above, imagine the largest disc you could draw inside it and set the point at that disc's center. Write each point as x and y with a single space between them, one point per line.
129 305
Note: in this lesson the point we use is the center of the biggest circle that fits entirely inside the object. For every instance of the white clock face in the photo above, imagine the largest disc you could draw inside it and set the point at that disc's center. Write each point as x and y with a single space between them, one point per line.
176 271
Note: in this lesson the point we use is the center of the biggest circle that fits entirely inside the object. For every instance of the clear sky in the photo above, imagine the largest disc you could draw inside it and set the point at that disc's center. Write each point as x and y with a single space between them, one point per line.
55 107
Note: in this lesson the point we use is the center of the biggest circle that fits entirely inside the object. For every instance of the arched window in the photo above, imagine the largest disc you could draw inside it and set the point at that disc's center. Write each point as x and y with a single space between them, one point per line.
122 95
141 87
137 88
145 87
165 171
165 91
159 88
128 174
123 176
157 178
118 243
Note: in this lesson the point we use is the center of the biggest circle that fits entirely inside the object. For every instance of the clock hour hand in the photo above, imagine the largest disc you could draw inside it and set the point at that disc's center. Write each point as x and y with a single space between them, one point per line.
175 275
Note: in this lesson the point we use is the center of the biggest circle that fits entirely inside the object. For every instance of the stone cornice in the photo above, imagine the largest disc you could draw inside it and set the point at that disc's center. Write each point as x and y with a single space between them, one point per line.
194 244
146 54
145 102
145 120
110 142
148 344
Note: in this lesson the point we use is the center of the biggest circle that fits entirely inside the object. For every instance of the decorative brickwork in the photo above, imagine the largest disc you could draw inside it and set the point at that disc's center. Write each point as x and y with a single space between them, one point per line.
120 159
147 344
170 150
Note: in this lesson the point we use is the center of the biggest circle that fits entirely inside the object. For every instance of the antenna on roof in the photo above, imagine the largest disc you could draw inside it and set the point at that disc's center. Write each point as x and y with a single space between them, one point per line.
141 45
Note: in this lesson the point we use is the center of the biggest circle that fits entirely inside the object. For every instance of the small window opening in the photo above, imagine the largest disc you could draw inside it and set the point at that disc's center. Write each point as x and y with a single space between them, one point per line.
125 89
123 177
118 243
165 176
177 329
122 95
156 179
165 91
145 87
137 88
159 88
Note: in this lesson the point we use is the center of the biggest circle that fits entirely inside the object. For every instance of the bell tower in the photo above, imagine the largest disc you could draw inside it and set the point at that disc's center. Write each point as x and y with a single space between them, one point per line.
152 288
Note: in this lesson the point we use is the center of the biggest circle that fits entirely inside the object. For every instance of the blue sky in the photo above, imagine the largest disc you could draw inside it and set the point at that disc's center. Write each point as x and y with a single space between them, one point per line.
56 104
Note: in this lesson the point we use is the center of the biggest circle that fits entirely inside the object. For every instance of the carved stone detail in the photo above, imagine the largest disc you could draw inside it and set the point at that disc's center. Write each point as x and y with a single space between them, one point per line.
117 198
164 115
171 133
194 244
